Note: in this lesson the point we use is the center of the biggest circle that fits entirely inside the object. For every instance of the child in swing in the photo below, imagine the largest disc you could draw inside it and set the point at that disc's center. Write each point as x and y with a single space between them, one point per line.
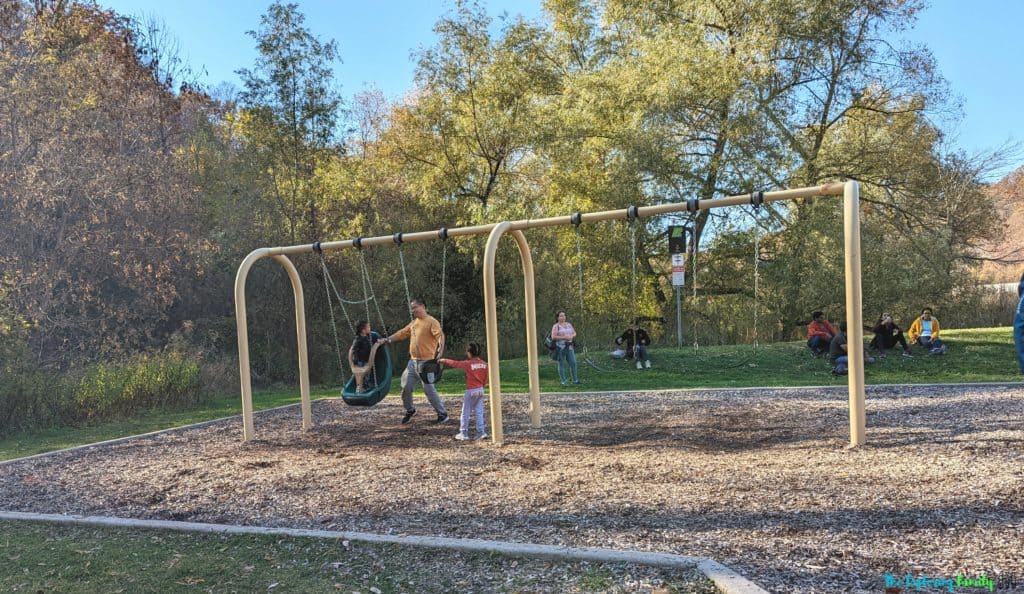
473 399
359 354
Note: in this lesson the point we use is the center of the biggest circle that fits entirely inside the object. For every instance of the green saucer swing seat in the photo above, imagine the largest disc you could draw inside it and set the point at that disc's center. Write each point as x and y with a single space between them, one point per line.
376 383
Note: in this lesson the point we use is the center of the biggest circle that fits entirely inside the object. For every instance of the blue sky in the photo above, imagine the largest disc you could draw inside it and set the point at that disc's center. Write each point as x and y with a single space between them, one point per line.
973 42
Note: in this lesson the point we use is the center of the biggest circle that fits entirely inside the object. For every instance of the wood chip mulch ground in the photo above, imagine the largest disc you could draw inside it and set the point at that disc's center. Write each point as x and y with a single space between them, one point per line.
760 480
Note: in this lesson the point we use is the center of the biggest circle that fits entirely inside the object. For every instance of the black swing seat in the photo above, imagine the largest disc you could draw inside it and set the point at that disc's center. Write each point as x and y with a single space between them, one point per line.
376 383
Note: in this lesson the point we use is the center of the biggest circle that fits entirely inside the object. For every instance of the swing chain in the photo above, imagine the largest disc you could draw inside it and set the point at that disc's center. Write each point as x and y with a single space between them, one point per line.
442 234
405 280
632 263
444 273
368 285
579 266
757 263
369 295
328 284
693 266
363 278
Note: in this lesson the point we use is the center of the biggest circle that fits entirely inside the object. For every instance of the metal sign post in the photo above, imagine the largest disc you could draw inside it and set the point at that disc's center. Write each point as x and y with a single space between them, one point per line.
677 247
678 282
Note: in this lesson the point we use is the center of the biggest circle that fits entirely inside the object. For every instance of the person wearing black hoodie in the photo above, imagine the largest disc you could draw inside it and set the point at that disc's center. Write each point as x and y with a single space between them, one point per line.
636 340
887 335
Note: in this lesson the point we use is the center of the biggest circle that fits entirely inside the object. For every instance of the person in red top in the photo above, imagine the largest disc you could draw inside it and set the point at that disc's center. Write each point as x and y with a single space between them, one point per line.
819 334
473 399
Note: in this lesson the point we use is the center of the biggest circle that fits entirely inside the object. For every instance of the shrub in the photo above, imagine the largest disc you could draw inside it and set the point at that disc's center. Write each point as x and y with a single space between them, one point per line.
28 399
143 383
219 376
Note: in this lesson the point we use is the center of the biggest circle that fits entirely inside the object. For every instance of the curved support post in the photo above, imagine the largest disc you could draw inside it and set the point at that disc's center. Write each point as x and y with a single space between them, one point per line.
241 322
242 325
300 337
491 311
491 321
854 313
530 296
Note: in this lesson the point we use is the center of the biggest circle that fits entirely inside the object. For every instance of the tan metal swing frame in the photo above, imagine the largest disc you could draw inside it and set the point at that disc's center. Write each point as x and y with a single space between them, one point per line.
850 191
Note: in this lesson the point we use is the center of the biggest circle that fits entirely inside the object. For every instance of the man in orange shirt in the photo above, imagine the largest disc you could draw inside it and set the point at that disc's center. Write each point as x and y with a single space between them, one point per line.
426 343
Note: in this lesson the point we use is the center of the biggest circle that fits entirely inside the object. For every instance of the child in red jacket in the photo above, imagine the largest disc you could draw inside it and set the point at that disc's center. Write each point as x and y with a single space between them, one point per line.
473 399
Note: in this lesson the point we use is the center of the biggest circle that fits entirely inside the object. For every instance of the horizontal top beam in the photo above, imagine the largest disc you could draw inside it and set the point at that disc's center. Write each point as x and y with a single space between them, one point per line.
833 189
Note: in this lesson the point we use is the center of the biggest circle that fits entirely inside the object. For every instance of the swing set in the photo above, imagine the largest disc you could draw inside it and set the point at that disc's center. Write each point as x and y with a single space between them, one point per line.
851 200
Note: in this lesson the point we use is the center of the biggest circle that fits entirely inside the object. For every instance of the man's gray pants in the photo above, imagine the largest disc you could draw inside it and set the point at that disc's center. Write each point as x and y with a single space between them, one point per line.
411 379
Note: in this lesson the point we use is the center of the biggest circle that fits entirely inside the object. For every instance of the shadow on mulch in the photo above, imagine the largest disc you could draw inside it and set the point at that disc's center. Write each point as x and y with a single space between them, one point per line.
690 421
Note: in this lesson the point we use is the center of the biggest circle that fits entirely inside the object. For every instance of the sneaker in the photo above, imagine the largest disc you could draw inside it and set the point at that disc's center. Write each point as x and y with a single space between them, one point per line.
577 382
935 350
639 365
462 437
408 416
870 359
908 354
942 350
647 364
564 384
442 419
482 436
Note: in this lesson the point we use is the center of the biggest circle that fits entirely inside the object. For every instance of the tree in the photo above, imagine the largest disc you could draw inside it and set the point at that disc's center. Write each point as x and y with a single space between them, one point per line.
475 117
293 110
98 214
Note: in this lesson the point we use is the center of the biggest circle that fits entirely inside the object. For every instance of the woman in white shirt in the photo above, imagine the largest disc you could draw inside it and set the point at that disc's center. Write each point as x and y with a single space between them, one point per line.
564 334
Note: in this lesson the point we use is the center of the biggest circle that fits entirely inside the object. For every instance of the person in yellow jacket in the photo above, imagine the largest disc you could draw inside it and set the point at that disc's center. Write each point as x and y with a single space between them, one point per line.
925 332
426 344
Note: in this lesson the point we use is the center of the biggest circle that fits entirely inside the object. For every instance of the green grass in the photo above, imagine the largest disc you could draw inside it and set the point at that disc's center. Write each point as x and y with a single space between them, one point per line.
40 557
976 355
47 440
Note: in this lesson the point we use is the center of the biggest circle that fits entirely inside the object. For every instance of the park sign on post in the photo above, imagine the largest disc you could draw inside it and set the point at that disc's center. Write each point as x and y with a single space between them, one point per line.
677 239
678 270
677 247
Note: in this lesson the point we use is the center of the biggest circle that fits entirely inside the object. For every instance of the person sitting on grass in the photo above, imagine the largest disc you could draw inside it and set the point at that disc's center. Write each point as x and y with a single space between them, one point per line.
925 332
819 334
473 398
838 352
887 335
636 340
